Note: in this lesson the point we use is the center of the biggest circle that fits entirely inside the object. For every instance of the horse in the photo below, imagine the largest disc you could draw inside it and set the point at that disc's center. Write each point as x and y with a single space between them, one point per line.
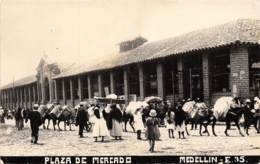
68 115
128 114
191 112
45 113
65 114
205 115
128 117
224 110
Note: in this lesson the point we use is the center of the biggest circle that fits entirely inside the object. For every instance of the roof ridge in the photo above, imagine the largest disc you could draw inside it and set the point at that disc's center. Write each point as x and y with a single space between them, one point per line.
225 34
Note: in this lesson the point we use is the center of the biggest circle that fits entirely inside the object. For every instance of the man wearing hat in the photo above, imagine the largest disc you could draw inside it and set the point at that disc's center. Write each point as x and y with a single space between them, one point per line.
81 119
35 122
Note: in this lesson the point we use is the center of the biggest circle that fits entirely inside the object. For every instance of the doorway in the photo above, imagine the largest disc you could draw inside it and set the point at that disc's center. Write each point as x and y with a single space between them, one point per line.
193 80
256 85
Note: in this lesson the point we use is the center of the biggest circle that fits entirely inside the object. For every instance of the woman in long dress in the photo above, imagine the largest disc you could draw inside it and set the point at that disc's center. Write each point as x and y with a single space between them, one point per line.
116 116
100 127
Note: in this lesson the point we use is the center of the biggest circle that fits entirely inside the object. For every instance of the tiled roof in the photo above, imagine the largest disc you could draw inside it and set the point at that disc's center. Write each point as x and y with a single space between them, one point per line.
244 31
23 81
32 78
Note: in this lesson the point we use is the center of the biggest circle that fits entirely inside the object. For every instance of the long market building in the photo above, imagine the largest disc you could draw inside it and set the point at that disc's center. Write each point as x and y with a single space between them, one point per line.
209 63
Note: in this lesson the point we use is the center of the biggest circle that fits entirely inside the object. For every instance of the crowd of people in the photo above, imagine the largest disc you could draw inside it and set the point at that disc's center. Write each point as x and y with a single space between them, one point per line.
107 120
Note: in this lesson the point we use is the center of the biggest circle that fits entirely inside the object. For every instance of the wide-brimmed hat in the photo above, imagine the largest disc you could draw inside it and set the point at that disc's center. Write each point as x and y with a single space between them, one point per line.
153 113
35 106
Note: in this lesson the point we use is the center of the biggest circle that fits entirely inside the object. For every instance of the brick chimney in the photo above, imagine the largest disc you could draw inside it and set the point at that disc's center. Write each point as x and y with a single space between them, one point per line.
131 44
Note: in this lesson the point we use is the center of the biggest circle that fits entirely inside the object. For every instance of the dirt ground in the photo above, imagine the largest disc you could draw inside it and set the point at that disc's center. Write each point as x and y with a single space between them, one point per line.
17 143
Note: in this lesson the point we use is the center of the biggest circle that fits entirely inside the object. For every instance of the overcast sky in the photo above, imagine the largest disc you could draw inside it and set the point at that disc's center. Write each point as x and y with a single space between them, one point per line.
87 30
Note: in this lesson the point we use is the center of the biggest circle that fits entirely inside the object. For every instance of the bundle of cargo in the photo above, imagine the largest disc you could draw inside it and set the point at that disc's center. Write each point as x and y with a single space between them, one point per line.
43 110
190 108
110 99
57 110
134 105
66 111
221 107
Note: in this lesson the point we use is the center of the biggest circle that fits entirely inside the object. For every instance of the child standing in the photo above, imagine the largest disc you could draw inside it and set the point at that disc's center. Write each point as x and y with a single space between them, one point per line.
152 129
138 122
180 120
170 123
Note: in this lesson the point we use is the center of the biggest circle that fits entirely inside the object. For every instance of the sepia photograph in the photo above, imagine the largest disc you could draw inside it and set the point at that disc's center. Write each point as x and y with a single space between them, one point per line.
129 81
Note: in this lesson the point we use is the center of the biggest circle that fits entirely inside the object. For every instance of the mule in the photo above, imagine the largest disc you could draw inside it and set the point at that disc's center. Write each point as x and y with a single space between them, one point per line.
205 116
191 111
223 111
250 119
65 114
128 118
45 112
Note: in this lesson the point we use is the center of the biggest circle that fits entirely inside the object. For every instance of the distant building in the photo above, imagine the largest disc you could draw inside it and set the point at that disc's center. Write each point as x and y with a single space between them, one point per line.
219 61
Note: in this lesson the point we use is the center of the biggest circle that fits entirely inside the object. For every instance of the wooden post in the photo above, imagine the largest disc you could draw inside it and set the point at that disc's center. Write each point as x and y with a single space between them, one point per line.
100 85
89 87
160 89
112 82
126 86
141 81
71 92
63 91
80 88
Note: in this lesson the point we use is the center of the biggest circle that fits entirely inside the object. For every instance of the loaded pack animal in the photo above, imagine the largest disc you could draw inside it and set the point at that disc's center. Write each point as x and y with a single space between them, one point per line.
204 116
228 110
252 114
128 118
45 113
191 112
197 112
65 114
128 115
